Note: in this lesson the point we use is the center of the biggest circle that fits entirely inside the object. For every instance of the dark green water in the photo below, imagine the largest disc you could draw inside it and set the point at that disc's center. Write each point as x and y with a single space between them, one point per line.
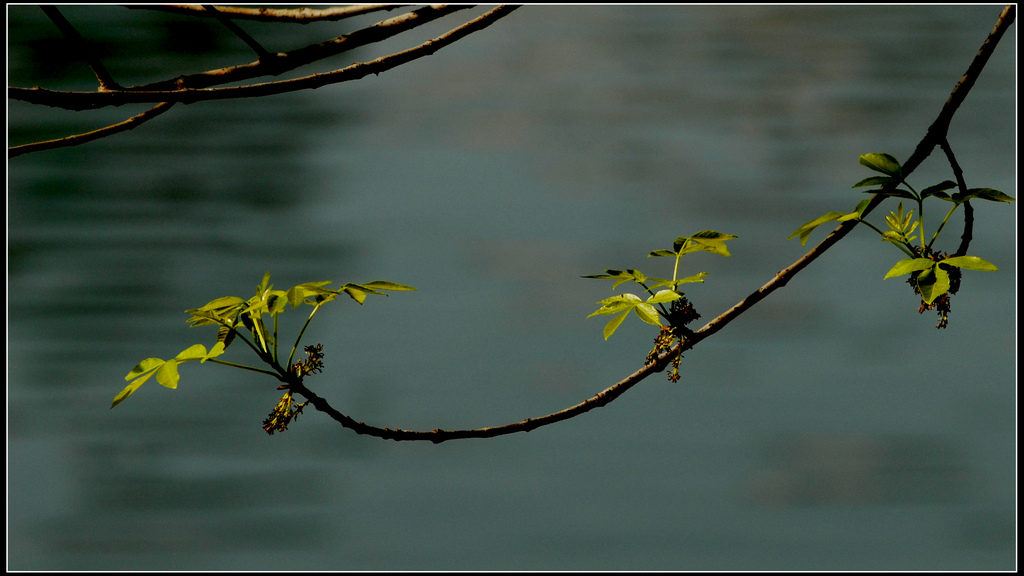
831 427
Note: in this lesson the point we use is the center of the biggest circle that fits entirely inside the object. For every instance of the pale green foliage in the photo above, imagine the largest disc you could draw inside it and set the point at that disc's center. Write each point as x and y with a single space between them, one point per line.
923 262
703 241
234 316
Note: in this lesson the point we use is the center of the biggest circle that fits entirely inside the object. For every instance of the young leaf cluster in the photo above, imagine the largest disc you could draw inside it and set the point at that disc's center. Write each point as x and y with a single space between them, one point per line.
247 320
929 268
653 309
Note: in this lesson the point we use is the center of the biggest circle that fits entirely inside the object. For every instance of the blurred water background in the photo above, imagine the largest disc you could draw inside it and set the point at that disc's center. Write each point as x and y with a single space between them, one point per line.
831 427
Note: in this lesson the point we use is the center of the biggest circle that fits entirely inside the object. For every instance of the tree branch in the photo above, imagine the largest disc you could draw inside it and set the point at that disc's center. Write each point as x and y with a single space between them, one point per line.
287 61
251 42
934 136
958 173
82 47
93 100
292 15
129 124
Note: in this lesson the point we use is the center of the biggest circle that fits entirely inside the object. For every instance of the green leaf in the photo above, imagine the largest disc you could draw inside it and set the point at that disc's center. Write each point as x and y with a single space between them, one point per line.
705 240
298 294
658 253
147 365
970 263
989 194
385 285
874 181
128 391
613 324
219 311
664 296
608 274
882 162
217 350
224 303
193 352
225 336
647 313
355 293
277 301
263 285
932 283
616 304
938 190
698 277
167 375
897 193
804 232
908 265
620 276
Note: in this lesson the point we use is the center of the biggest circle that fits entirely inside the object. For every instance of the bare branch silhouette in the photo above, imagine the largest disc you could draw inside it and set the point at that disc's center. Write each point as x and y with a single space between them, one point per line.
129 124
195 88
293 15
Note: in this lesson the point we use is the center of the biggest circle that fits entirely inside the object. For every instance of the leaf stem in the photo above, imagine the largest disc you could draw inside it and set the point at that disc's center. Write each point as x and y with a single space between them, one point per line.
243 367
291 356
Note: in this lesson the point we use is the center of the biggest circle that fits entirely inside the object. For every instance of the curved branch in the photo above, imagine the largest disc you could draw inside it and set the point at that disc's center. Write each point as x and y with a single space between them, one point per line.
92 100
930 140
292 15
129 124
958 173
276 64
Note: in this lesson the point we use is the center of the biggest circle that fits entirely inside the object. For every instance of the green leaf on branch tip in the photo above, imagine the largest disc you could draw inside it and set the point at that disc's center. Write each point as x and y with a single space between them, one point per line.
908 265
277 301
897 193
932 284
385 285
970 263
166 371
804 232
620 276
938 190
882 162
298 295
167 375
356 294
874 181
705 240
698 277
217 350
989 194
138 376
613 325
146 367
664 296
217 312
623 303
616 304
193 352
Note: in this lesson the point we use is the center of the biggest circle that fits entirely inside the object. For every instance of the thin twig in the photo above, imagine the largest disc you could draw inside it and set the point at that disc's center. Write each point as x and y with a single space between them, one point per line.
284 15
251 42
82 48
75 140
968 235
